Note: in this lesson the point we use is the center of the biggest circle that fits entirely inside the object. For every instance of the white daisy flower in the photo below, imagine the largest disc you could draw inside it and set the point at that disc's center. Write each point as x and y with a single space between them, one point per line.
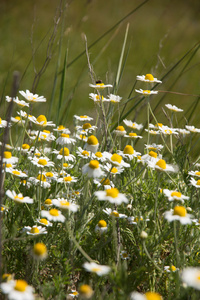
151 156
64 204
65 139
53 215
51 176
74 293
83 153
170 269
120 131
93 169
44 135
67 178
133 135
40 180
112 195
18 197
161 165
44 222
124 255
32 97
114 98
16 173
83 118
192 129
113 170
64 154
62 128
178 213
114 213
16 100
41 120
3 123
116 160
86 128
97 98
101 227
174 195
17 290
99 156
153 132
195 183
39 251
105 182
182 131
92 144
128 152
168 131
148 78
8 158
146 296
191 277
82 137
41 162
100 270
173 108
194 173
134 220
132 125
100 85
35 230
146 92
154 147
17 120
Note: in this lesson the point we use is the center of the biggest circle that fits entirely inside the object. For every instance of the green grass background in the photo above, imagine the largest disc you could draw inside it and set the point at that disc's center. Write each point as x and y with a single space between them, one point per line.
160 33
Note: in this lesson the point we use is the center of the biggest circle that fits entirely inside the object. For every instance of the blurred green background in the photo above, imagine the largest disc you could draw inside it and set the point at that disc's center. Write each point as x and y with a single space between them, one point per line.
160 33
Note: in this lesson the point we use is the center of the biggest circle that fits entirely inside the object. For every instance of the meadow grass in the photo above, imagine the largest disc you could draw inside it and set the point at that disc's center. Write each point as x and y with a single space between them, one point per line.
106 207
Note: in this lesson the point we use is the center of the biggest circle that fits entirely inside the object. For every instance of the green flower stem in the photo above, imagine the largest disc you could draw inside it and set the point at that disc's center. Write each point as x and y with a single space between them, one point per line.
150 258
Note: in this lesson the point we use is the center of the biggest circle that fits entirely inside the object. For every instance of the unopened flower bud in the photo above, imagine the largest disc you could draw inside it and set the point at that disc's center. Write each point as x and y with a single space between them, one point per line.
143 235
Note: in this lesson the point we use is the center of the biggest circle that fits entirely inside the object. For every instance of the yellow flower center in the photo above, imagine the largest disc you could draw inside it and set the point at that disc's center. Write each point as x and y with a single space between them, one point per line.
18 198
146 92
100 84
87 126
46 131
20 285
34 230
173 268
25 146
159 125
149 77
116 158
96 269
197 173
125 255
105 181
41 177
7 154
85 153
198 182
92 140
49 174
61 127
6 276
17 173
94 164
67 179
64 151
128 149
17 118
7 165
114 214
64 135
153 154
132 134
102 223
85 290
37 154
42 119
42 162
168 131
120 128
54 212
64 203
48 201
180 211
176 194
153 296
113 170
98 154
82 136
162 164
0 120
113 192
44 221
65 165
39 249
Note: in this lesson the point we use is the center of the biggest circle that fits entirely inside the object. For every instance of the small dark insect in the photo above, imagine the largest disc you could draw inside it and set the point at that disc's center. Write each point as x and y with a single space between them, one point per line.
98 81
